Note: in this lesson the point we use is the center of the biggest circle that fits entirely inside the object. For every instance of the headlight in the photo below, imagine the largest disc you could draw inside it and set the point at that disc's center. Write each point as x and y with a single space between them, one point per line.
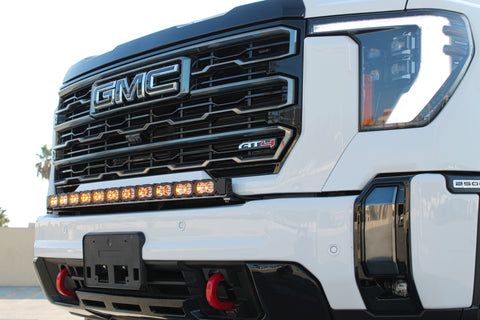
410 63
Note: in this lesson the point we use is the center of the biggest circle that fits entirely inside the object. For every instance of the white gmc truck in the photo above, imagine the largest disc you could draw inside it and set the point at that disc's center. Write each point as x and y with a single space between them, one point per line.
287 160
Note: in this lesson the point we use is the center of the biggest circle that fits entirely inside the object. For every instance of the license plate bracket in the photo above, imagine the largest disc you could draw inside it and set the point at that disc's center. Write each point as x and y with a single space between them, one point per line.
114 260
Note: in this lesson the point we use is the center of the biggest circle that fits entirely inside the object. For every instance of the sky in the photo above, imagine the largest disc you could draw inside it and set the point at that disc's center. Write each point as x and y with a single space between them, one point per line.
40 40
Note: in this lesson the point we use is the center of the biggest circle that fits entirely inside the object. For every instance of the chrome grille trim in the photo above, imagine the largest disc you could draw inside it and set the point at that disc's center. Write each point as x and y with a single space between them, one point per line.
72 105
245 85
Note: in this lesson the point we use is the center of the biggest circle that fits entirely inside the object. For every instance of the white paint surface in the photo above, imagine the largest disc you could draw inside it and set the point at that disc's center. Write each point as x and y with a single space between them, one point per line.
443 243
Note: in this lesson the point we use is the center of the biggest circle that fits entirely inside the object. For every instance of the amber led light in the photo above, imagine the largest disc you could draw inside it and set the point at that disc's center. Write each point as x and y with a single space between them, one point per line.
85 197
144 192
205 187
183 189
63 200
53 201
113 195
98 196
128 193
163 191
73 199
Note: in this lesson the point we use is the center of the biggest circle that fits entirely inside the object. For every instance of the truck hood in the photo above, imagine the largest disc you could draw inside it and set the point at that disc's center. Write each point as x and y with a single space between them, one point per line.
323 8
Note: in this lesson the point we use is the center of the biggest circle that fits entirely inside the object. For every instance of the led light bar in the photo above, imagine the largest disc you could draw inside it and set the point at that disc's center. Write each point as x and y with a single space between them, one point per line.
197 189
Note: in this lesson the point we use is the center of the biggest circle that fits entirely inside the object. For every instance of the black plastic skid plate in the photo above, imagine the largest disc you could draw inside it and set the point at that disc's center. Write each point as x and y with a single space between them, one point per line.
113 260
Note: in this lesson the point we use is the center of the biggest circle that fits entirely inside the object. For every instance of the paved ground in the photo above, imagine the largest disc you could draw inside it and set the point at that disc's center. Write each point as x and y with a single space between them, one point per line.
29 303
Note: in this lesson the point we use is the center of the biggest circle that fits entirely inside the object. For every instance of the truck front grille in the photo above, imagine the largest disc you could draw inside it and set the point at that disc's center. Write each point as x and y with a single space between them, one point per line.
217 95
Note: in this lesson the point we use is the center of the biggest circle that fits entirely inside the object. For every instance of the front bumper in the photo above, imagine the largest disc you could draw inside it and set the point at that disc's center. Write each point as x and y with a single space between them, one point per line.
301 230
314 234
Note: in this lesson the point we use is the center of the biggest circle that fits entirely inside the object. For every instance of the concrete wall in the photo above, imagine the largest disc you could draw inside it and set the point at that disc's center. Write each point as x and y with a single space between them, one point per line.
16 257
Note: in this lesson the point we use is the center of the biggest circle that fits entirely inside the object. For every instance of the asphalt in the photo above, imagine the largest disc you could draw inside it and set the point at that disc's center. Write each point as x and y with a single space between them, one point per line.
29 303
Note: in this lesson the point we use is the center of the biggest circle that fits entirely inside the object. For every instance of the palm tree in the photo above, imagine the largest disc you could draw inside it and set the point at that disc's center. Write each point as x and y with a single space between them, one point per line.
43 167
3 218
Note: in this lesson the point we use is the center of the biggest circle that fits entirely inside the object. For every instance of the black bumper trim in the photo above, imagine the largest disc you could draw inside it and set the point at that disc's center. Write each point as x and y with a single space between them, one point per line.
268 290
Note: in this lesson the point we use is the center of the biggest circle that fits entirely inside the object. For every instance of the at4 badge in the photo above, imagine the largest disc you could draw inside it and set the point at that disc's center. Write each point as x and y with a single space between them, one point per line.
259 144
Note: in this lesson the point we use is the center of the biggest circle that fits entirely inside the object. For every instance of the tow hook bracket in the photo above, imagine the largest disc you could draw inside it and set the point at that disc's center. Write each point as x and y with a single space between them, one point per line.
211 292
60 284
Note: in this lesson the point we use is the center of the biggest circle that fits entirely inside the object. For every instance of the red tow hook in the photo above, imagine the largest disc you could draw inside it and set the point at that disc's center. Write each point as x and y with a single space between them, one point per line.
212 298
61 284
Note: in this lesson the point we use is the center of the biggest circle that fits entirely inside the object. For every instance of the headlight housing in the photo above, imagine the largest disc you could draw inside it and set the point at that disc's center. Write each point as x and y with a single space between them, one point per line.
410 63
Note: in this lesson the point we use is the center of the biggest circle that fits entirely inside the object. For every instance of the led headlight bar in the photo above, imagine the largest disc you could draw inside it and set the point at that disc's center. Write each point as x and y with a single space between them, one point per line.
196 189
